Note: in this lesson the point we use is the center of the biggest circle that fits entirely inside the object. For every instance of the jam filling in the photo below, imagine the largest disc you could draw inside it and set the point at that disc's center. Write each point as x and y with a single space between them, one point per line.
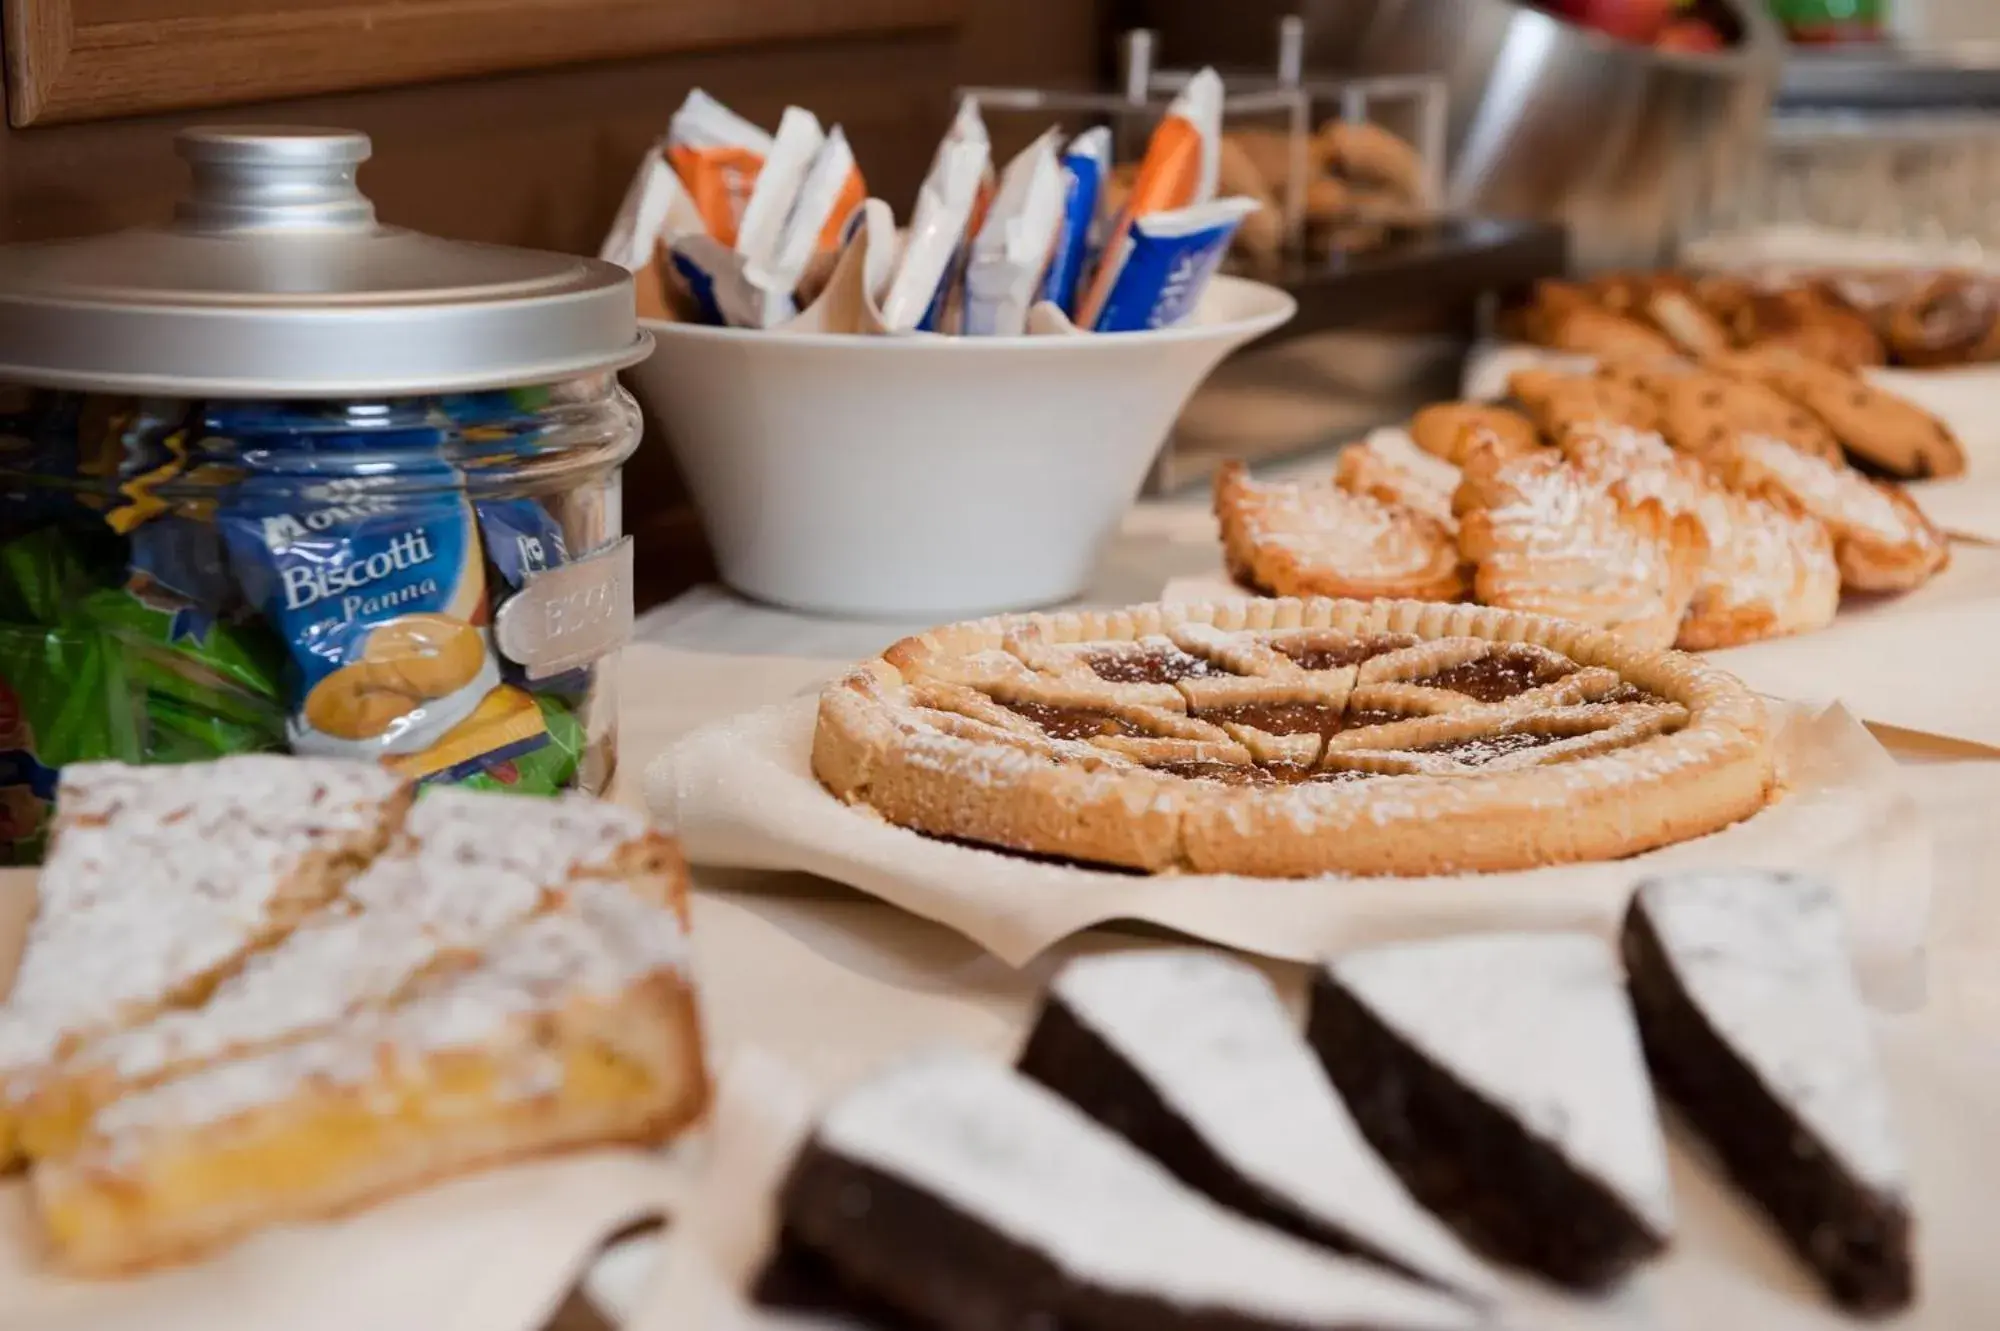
1358 718
1496 676
1279 718
1631 693
1229 774
1340 776
1350 653
1148 665
1278 774
1483 749
1072 722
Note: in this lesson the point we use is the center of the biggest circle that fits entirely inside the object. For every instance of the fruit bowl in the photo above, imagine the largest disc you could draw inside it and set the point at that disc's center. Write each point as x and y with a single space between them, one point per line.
1697 27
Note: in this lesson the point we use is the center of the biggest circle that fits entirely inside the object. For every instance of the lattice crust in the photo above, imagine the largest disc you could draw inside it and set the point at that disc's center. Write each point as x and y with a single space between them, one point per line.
1295 737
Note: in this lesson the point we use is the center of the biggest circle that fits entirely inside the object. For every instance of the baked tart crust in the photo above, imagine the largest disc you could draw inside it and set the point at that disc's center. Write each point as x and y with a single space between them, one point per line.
1289 738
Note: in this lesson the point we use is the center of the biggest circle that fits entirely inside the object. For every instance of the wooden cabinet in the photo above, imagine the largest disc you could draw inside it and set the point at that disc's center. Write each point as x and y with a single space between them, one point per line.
87 59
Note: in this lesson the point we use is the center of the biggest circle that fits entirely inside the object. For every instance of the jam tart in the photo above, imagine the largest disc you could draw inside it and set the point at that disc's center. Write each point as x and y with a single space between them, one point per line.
1318 539
1289 738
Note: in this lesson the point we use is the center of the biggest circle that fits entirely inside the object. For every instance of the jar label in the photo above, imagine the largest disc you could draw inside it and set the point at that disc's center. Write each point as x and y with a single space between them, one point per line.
569 615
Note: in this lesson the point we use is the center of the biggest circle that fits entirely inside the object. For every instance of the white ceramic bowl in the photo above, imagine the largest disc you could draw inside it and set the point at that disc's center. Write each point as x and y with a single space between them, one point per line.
927 477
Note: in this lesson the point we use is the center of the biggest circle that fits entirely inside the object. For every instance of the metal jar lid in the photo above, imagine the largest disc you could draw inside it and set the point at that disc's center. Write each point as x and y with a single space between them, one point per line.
275 280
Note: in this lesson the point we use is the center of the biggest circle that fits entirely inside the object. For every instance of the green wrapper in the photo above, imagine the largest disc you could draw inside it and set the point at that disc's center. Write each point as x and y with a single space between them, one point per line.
547 769
65 696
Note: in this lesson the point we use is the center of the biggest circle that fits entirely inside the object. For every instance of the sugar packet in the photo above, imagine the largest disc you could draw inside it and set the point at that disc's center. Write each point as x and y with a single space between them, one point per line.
1010 255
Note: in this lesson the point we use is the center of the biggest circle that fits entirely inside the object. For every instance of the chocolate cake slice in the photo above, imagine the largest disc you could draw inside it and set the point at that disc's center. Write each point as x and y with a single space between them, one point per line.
1192 1057
1500 1074
967 1197
1755 1030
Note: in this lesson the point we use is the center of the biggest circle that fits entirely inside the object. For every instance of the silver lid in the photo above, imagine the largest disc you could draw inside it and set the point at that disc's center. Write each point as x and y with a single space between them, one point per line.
275 280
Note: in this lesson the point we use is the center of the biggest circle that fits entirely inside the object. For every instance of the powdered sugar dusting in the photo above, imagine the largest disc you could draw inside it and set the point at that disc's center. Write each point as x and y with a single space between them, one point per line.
1836 495
1764 957
1211 1037
1539 1025
158 876
1353 535
608 940
468 866
1030 1166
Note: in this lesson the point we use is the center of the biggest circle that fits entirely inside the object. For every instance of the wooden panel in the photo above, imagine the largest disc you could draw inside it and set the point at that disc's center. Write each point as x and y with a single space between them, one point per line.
87 59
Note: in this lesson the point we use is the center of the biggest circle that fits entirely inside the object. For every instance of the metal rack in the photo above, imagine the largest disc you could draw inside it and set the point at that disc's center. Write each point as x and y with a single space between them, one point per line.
1427 283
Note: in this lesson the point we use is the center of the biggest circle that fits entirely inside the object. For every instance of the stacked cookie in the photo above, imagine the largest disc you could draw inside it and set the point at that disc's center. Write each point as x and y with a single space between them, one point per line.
1174 1153
1357 182
1850 319
1697 505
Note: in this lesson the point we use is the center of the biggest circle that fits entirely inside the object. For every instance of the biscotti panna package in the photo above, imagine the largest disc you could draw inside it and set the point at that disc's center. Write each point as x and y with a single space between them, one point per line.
351 532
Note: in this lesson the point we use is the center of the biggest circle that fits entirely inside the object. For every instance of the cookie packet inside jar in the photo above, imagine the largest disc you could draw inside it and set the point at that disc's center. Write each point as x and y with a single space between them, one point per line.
352 534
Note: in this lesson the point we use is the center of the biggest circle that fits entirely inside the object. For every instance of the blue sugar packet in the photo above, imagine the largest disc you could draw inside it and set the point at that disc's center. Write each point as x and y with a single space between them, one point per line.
1168 260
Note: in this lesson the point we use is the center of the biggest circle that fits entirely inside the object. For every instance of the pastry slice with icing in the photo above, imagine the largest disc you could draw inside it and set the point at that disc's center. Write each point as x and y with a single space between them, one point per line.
1881 539
1501 1075
1388 466
966 1196
576 1027
1316 539
1754 1029
160 880
466 868
1546 537
1767 570
1192 1057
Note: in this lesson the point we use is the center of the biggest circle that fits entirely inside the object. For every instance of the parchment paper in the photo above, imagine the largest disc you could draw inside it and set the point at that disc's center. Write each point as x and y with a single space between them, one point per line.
1917 661
1967 399
1725 1270
741 794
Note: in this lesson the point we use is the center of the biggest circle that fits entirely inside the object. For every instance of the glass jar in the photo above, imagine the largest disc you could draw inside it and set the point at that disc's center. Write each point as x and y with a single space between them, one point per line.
249 551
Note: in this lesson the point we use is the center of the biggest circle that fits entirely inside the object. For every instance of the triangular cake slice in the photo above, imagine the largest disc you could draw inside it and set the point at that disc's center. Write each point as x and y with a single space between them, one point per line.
1192 1057
161 880
1501 1075
966 1196
464 868
1755 1030
575 1027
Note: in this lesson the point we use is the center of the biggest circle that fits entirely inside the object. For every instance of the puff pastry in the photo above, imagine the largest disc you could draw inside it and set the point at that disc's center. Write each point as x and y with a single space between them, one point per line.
1547 537
1882 540
1767 570
1390 467
1316 539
